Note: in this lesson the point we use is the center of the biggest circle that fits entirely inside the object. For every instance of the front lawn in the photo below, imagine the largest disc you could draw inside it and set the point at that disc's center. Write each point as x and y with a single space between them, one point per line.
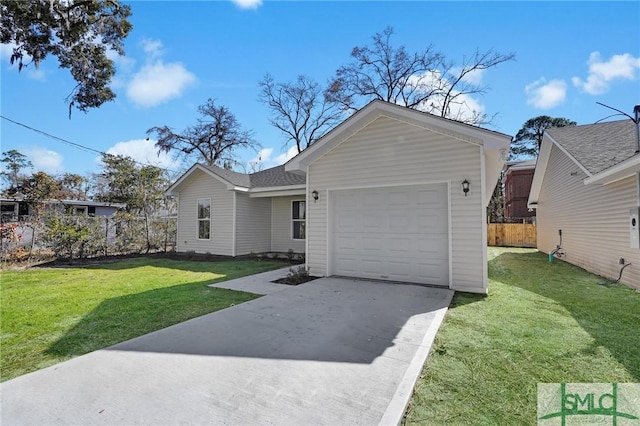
541 323
52 314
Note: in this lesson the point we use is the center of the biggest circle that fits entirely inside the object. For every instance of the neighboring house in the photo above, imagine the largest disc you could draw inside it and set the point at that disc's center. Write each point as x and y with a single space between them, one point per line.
20 210
587 184
379 197
518 177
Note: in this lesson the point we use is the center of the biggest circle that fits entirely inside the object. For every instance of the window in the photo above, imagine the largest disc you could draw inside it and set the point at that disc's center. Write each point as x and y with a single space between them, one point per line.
92 210
80 211
298 216
204 219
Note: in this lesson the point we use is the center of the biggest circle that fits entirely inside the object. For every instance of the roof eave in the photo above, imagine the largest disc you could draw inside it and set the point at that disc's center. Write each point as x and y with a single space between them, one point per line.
623 170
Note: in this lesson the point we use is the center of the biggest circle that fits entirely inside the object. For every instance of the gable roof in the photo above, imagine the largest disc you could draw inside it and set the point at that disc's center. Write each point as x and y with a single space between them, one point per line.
597 146
606 152
495 145
275 177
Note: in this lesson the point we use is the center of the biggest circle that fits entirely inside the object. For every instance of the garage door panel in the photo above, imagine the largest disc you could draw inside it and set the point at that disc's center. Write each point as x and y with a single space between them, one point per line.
398 234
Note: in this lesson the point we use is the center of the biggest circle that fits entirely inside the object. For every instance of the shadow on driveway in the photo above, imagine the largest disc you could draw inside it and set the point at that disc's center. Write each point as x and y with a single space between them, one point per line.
335 320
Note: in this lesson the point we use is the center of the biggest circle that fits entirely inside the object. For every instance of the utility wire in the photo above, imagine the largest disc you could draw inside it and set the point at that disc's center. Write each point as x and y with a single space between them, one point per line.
76 145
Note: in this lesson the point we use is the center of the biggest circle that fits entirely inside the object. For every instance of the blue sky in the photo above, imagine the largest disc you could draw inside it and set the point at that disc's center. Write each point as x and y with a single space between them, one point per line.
179 54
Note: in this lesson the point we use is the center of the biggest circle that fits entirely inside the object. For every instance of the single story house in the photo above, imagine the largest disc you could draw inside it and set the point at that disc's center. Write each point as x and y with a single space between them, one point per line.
391 193
20 209
587 187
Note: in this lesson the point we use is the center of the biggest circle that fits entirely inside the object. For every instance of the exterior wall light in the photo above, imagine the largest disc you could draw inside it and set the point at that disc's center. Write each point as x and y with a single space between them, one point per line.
465 187
315 196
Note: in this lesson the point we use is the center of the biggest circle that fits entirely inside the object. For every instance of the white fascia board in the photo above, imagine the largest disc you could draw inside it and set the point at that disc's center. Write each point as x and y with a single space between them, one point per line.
627 168
541 168
278 192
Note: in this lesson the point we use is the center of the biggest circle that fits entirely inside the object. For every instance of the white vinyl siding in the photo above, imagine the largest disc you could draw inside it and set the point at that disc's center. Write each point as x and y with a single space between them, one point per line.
253 224
594 219
197 186
281 225
388 152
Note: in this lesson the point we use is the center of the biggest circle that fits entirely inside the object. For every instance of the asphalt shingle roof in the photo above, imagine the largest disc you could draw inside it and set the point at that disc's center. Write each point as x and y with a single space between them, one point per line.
598 146
238 179
273 177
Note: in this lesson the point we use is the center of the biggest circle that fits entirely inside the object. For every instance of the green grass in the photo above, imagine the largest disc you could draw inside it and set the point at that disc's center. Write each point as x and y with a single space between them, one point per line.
540 323
49 315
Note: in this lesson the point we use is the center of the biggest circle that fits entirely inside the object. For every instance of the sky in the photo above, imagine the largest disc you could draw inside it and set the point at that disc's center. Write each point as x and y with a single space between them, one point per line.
569 55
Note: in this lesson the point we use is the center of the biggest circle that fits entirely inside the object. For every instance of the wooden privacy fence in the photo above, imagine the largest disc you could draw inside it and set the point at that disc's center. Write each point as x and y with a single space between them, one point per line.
511 234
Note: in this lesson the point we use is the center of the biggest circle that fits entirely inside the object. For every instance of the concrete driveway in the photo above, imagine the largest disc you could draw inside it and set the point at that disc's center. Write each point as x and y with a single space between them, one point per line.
332 351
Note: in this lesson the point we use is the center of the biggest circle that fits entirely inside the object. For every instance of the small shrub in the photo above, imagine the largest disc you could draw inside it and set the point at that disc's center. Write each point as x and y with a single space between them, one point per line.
297 275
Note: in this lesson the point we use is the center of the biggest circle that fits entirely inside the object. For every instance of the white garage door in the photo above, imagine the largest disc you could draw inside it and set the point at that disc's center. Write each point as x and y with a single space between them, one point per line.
396 234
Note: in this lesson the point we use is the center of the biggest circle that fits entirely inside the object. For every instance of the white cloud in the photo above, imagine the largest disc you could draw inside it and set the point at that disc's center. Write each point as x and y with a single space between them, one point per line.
545 94
286 156
152 48
473 77
601 73
158 83
247 4
462 107
259 162
44 159
143 151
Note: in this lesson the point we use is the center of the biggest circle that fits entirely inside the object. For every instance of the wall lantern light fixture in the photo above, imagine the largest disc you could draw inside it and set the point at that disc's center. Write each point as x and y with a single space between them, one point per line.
315 196
465 187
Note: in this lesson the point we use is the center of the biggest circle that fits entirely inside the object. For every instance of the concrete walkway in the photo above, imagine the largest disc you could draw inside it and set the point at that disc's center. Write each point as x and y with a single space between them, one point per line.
329 352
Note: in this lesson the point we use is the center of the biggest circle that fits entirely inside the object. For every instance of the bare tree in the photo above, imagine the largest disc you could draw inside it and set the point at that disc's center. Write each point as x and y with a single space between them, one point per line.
299 109
214 139
423 80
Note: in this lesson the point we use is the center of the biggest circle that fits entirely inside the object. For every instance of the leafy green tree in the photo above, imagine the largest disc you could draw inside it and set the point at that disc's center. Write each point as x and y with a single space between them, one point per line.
214 139
65 235
424 80
73 186
40 186
141 188
529 138
299 109
495 209
78 32
14 163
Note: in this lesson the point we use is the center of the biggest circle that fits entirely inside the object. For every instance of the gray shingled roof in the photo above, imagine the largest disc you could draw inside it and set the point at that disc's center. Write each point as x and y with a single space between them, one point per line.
273 177
598 146
238 179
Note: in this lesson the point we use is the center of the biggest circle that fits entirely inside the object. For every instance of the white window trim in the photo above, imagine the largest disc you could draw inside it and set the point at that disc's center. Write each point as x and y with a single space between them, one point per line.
298 220
198 219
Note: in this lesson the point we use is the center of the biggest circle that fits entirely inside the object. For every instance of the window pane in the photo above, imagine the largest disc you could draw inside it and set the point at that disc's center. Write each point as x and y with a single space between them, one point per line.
203 229
204 209
299 210
299 231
